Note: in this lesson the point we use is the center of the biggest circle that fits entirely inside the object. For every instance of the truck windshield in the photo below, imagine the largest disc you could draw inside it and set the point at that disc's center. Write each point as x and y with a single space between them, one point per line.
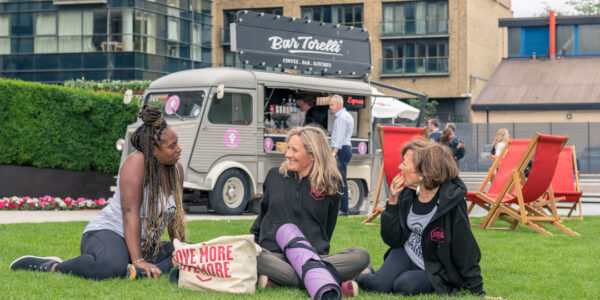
178 104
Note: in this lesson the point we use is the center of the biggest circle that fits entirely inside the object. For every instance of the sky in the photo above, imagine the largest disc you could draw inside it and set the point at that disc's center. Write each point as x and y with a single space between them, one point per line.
528 8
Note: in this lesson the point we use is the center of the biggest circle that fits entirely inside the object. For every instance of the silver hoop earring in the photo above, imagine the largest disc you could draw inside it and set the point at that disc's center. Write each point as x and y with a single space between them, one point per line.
418 189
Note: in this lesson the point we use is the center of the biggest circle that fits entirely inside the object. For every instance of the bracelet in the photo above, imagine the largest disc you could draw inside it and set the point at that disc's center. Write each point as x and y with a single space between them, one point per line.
135 263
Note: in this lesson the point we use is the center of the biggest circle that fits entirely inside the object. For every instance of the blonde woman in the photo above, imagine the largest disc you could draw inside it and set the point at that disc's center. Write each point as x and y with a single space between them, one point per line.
305 190
500 140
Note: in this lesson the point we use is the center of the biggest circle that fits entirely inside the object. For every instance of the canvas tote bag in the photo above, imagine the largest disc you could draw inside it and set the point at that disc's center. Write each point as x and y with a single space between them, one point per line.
224 264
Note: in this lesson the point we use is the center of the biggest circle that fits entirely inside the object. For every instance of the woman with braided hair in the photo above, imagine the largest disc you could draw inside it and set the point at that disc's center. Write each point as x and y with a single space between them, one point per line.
125 237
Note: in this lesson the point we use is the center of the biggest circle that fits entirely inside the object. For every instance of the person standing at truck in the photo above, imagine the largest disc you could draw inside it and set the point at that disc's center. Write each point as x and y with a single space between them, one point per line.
314 114
341 146
305 190
125 237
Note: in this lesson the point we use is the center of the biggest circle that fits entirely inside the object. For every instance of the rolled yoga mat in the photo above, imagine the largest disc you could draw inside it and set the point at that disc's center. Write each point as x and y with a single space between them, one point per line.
315 273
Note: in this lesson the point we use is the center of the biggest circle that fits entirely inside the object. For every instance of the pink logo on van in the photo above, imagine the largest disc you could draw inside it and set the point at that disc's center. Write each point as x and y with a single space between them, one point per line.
268 144
362 148
232 138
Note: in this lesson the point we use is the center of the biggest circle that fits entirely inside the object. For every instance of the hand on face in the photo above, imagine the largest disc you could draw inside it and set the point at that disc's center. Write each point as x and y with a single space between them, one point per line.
396 187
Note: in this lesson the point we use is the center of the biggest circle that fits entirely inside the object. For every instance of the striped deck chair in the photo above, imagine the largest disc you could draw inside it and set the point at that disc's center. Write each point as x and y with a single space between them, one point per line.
392 139
528 190
565 184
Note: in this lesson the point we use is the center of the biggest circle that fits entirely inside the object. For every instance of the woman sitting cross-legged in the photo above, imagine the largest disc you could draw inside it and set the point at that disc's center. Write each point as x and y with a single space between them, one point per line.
125 237
426 225
306 191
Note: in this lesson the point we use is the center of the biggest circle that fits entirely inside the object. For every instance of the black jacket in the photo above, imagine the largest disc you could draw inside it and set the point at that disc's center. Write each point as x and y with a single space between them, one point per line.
290 200
450 251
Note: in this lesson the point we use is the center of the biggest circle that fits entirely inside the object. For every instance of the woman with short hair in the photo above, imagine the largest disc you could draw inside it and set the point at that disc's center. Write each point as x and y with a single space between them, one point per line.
426 225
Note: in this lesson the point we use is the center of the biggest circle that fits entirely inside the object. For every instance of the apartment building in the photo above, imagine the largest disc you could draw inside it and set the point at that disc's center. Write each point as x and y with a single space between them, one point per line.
56 40
446 49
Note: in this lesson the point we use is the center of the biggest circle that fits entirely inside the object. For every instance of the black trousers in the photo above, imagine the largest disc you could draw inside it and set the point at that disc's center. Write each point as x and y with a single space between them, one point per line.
398 274
104 255
344 156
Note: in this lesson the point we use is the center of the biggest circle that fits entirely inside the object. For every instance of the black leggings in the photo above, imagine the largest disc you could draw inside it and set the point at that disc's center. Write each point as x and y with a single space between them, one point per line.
104 255
398 274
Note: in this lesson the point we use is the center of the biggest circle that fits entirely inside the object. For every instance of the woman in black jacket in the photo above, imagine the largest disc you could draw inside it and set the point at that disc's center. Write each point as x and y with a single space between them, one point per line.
305 190
426 225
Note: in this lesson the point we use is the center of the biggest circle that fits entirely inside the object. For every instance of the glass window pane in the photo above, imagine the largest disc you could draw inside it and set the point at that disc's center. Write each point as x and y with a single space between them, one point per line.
514 41
4 46
190 103
21 24
4 19
45 45
565 39
232 109
421 17
173 33
69 22
45 24
588 39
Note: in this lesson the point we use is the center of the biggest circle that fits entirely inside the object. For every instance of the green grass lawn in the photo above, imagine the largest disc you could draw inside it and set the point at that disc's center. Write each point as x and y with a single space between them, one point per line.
519 264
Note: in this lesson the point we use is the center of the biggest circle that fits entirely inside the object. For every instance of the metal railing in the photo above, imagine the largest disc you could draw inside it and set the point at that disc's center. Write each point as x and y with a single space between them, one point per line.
414 27
414 65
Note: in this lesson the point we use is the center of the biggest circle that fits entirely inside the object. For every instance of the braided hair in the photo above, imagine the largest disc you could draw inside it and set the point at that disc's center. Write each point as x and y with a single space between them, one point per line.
154 200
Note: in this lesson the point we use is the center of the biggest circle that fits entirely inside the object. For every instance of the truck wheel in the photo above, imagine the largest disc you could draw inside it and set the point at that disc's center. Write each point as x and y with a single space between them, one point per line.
356 195
230 195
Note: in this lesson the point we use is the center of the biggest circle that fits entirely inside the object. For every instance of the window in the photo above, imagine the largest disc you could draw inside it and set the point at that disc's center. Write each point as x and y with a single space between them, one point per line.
348 14
588 39
120 29
173 37
4 34
233 108
415 18
22 24
190 103
69 31
145 29
415 56
201 6
45 34
231 59
229 17
514 41
197 42
565 39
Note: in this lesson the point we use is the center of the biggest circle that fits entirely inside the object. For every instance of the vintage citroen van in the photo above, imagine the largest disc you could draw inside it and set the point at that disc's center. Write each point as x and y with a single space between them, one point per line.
231 129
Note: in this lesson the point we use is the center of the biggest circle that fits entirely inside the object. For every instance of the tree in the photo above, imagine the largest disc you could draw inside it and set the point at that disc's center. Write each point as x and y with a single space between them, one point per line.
547 9
430 107
585 7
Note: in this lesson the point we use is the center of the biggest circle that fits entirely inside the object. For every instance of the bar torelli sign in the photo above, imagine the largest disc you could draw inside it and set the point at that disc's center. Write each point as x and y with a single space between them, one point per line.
274 41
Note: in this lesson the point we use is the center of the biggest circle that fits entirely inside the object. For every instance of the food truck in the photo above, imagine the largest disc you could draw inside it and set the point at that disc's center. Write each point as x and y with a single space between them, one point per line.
232 125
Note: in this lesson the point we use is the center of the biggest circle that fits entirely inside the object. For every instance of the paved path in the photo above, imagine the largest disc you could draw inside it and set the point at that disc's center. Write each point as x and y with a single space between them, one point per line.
15 216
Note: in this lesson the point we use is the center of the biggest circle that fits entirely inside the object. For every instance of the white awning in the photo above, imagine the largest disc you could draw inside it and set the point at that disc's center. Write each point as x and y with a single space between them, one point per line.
388 107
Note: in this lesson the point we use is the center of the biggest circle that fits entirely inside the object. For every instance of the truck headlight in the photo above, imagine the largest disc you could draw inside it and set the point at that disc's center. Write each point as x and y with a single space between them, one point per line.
120 144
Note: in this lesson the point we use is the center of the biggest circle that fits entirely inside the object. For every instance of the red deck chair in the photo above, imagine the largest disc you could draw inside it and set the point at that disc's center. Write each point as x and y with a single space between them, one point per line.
565 184
510 156
528 190
394 137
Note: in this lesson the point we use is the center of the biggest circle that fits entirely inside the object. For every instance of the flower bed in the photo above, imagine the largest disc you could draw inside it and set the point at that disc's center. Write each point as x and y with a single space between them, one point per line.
51 203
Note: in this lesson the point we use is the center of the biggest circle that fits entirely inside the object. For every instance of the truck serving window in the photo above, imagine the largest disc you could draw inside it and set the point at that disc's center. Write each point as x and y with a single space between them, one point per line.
233 108
183 104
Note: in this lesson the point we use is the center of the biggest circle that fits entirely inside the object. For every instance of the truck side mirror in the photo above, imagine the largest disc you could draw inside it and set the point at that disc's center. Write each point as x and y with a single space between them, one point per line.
220 91
127 96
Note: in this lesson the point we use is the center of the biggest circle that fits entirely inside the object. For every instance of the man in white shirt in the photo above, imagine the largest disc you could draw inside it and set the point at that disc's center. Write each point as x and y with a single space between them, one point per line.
341 146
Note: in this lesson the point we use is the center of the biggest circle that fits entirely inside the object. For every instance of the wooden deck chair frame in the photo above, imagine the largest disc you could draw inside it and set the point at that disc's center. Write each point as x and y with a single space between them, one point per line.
526 212
561 197
377 210
477 199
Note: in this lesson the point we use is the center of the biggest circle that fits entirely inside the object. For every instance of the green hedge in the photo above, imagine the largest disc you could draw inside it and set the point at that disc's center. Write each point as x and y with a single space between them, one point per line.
50 126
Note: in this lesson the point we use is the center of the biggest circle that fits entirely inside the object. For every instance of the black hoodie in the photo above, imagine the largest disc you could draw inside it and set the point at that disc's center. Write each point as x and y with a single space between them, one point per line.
291 200
450 251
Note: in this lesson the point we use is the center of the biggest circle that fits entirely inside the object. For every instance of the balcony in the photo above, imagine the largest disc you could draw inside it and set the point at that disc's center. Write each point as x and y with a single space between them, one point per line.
225 36
413 28
414 66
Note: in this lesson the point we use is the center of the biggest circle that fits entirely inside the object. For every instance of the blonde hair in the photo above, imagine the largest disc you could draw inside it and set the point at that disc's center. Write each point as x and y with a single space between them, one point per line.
325 176
434 162
500 134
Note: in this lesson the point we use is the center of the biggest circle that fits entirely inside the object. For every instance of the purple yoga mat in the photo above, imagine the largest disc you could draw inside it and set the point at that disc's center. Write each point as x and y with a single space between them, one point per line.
317 281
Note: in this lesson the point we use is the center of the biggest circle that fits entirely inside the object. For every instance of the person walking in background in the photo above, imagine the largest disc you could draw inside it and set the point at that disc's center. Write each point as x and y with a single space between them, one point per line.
434 130
341 146
450 140
125 237
425 223
500 140
305 190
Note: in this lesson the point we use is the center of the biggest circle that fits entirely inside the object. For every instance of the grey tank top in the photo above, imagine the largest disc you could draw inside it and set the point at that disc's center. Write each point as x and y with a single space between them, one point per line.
111 217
